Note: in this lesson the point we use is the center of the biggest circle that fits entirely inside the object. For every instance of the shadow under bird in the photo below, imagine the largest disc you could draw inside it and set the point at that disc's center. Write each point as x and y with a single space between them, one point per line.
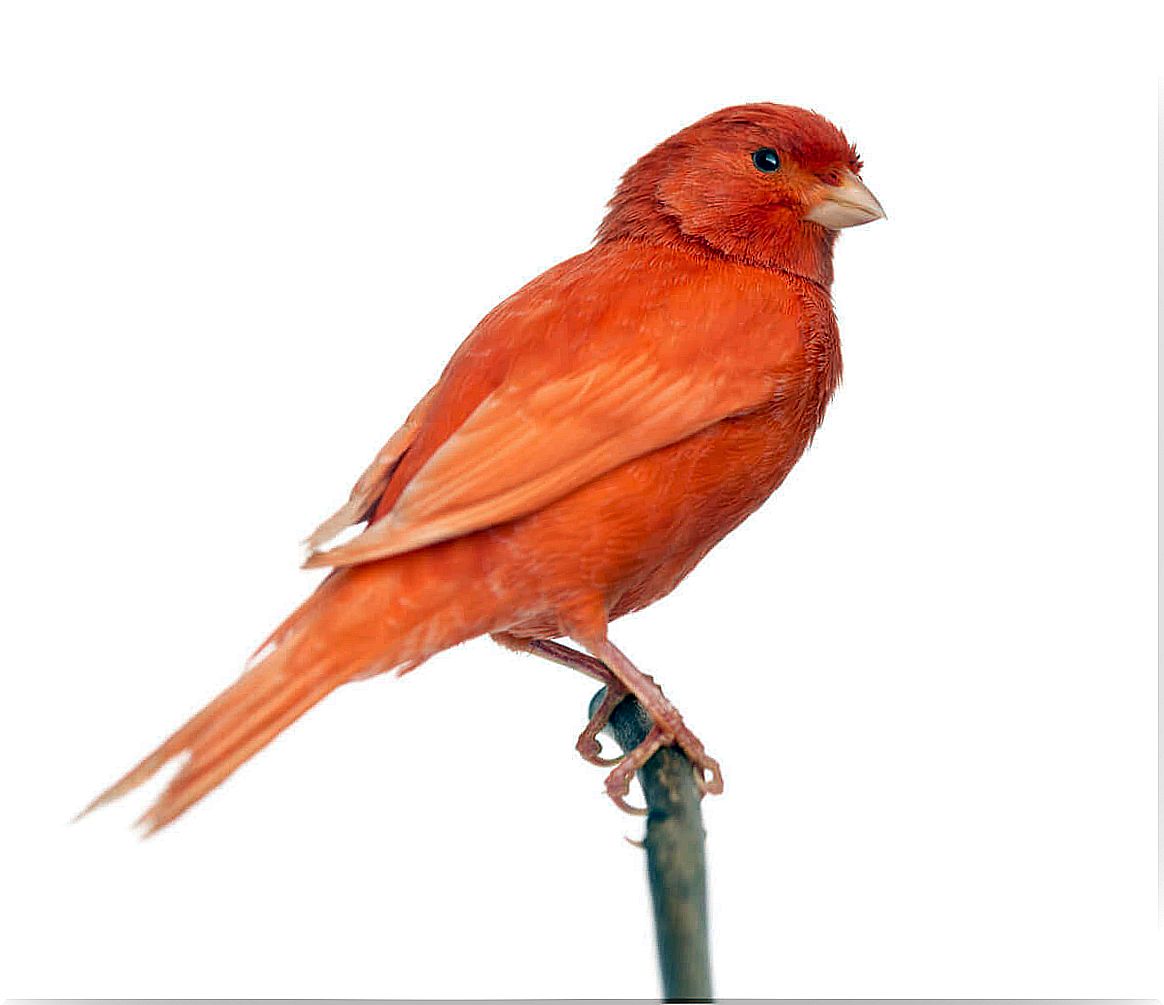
591 440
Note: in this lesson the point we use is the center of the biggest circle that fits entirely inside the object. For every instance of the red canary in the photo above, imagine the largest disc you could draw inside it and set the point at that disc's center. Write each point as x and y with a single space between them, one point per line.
591 440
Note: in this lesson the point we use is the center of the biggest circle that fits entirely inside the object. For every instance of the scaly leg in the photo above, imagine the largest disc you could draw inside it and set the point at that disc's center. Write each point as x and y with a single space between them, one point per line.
588 745
669 728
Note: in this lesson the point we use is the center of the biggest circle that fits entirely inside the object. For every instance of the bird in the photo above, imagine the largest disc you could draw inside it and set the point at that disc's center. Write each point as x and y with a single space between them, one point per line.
594 436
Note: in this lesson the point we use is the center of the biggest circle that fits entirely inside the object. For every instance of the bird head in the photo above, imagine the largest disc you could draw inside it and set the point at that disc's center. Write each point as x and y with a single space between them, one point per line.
767 184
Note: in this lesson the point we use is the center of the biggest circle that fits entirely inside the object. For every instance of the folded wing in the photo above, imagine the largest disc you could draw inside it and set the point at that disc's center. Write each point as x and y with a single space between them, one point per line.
524 447
603 359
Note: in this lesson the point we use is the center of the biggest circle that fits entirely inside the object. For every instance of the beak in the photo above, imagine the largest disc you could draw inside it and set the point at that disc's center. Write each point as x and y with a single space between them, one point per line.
846 205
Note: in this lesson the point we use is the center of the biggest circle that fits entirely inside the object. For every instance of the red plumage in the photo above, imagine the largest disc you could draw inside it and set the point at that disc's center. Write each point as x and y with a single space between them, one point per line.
596 434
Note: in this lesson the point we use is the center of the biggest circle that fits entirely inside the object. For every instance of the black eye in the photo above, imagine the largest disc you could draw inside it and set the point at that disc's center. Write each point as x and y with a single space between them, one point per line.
766 159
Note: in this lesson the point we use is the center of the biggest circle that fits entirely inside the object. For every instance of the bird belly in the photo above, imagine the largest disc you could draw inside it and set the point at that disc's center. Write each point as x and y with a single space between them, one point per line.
632 535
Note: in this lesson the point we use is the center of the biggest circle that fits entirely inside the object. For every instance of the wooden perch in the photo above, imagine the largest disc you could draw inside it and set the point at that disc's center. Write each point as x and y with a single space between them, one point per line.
675 859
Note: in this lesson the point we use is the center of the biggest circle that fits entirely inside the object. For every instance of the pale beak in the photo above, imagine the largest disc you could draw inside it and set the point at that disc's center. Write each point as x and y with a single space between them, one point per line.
848 204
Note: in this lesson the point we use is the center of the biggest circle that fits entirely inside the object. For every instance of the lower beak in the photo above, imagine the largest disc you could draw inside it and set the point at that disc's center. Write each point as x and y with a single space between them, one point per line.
846 205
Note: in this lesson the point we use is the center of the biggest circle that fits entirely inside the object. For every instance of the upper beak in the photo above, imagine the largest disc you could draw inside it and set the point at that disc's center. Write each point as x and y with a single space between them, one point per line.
846 205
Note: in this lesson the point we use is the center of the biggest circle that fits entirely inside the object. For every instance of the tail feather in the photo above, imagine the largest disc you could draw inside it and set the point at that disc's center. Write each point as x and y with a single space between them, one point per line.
236 725
305 659
360 621
235 739
177 744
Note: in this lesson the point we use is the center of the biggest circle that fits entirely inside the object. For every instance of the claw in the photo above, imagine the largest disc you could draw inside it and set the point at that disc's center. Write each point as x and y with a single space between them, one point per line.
588 745
595 757
618 781
708 786
619 800
591 751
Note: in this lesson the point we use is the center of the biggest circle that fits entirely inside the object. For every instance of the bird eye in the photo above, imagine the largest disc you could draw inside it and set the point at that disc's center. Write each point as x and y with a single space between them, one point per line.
766 159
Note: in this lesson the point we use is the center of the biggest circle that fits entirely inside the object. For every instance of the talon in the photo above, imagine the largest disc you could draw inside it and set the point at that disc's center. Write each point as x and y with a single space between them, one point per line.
591 751
622 804
618 781
606 762
712 786
588 745
668 728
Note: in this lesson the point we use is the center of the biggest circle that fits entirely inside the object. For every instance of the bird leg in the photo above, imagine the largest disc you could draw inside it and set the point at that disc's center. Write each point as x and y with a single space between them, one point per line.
668 728
610 667
588 745
564 656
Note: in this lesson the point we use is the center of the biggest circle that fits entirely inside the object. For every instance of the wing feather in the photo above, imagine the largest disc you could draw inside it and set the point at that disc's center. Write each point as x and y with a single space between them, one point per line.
374 480
604 358
521 449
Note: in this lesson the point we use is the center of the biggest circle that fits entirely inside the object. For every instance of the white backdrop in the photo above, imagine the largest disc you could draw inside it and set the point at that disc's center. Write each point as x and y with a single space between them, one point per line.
239 240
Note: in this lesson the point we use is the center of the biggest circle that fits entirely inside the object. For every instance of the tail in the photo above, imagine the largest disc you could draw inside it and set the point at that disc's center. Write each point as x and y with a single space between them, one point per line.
351 627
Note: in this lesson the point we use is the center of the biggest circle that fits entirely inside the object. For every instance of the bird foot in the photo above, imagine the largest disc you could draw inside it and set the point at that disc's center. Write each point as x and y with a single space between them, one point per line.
708 776
667 728
588 744
618 781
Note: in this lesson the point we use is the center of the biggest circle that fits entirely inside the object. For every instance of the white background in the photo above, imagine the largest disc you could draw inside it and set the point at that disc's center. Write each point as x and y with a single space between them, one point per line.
239 240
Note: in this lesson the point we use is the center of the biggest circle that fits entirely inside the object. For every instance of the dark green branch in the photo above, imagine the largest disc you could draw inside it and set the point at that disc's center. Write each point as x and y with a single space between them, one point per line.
675 862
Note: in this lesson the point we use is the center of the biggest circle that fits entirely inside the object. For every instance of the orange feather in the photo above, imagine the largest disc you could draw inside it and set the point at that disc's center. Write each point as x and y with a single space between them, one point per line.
591 440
